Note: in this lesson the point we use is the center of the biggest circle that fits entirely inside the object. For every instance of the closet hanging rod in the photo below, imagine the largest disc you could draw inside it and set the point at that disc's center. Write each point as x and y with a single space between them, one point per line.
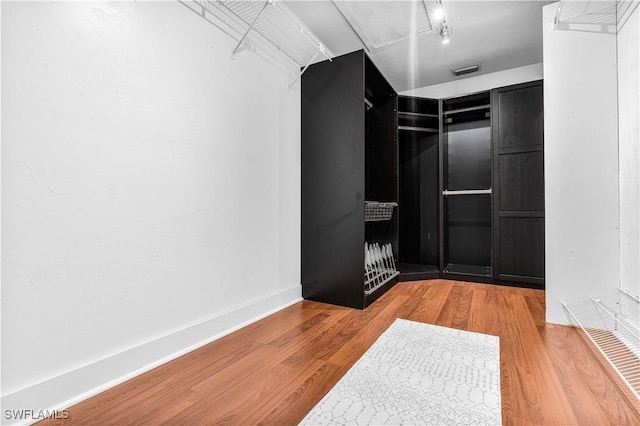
418 129
368 103
446 192
475 108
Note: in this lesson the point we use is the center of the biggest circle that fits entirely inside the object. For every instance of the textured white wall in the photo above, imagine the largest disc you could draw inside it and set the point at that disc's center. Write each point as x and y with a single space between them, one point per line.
149 183
466 85
581 166
629 111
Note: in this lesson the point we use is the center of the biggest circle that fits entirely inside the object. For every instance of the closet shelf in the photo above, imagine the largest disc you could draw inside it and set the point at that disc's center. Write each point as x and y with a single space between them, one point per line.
418 129
472 270
593 15
473 108
613 326
417 114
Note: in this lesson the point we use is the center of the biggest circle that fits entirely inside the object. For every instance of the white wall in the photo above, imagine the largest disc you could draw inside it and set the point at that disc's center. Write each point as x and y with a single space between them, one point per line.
150 189
629 126
466 85
581 166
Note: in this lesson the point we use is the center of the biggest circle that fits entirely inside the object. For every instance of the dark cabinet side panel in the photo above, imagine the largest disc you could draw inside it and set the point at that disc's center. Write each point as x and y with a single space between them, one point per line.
333 126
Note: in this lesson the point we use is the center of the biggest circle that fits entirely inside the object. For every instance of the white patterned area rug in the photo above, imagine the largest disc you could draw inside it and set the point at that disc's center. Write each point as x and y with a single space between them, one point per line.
419 374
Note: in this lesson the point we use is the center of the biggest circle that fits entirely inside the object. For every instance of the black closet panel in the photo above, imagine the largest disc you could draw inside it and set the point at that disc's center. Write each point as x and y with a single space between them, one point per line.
468 156
521 247
333 135
468 231
419 208
522 181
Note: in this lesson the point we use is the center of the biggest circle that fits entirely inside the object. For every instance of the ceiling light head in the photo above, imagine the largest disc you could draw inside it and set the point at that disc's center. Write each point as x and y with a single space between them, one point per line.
465 70
438 14
445 32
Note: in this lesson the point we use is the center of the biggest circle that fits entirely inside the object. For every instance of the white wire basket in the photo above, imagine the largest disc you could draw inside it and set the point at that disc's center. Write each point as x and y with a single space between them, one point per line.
613 325
377 211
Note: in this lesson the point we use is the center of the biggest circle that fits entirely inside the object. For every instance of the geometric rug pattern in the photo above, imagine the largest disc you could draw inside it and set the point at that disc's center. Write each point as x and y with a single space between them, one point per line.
419 374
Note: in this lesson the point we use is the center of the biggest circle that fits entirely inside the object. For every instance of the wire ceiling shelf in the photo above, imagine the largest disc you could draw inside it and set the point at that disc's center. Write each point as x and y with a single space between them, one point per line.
268 22
613 324
604 15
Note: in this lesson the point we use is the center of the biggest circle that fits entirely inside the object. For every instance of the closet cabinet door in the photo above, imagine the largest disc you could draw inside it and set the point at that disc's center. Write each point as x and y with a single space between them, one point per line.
519 175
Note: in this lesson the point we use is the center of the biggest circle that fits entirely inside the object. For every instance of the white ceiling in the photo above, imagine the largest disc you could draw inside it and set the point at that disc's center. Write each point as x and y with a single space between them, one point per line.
498 35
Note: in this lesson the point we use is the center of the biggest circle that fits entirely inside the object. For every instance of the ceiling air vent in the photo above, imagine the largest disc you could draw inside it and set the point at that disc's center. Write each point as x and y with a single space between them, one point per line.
465 70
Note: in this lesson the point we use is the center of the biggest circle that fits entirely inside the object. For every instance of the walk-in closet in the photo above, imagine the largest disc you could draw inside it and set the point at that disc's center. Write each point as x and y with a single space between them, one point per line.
399 188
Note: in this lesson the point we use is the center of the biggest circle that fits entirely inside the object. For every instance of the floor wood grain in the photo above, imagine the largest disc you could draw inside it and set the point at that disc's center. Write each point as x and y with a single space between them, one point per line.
275 370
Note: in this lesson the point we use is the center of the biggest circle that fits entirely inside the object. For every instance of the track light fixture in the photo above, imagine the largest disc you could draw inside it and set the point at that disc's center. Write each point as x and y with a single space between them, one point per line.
445 32
438 15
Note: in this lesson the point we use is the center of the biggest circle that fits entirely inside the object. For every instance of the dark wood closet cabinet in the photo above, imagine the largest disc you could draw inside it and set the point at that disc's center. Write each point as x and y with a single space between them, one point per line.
404 188
472 195
518 145
349 181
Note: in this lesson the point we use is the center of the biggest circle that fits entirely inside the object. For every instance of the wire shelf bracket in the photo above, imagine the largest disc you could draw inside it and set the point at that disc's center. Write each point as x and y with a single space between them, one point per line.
613 326
253 23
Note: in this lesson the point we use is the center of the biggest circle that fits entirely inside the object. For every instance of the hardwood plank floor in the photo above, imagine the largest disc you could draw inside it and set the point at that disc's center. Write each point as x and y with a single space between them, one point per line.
275 370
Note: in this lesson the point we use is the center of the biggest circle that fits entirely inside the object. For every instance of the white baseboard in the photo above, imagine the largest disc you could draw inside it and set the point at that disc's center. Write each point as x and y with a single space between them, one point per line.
65 390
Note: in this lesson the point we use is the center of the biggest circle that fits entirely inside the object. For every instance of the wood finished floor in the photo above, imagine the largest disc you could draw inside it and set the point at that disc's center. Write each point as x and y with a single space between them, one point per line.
275 370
